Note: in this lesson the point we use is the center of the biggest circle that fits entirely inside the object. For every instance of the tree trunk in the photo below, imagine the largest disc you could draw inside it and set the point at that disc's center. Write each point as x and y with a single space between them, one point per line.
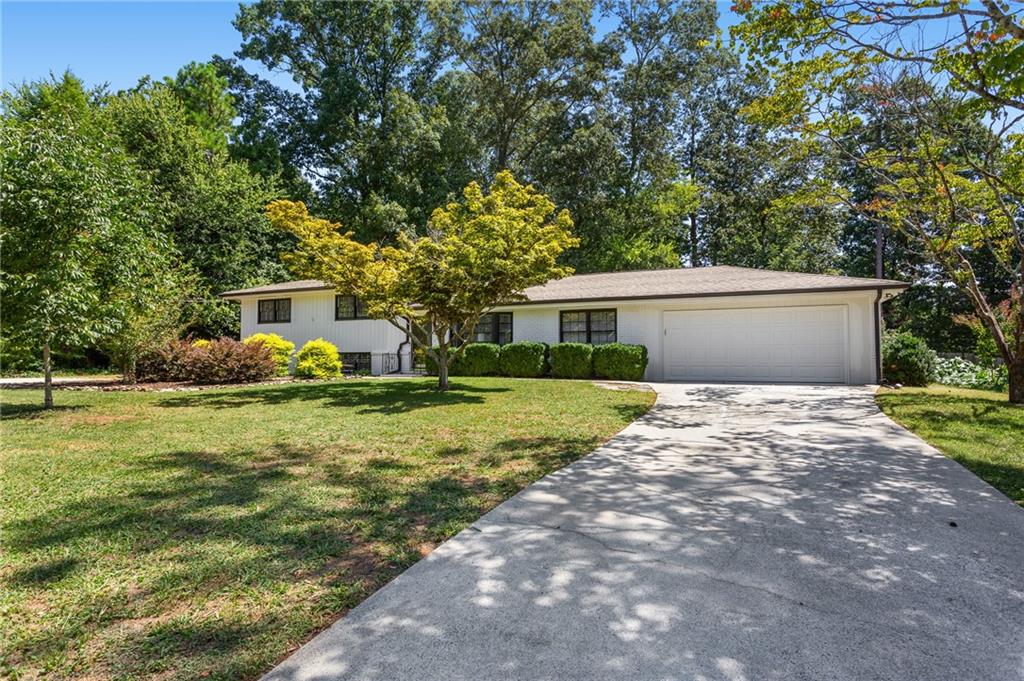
693 241
1016 370
47 378
442 368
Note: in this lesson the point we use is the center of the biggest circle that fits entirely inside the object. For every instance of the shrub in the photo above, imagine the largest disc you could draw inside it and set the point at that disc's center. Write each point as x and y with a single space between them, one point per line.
201 343
479 359
523 359
172 361
281 349
963 374
572 360
907 359
620 361
318 359
226 360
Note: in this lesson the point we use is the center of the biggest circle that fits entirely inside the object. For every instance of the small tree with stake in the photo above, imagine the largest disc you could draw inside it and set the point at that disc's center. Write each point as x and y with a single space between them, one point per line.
480 252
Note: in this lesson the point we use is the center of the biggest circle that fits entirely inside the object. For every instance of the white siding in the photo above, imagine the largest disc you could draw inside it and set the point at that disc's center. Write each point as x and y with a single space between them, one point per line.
313 317
642 322
637 322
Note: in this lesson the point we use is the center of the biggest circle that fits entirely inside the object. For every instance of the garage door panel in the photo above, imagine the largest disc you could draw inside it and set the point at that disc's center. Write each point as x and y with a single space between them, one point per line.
787 344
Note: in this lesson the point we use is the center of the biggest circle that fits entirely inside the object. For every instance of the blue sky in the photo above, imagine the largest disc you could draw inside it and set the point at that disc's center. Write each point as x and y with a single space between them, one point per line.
119 42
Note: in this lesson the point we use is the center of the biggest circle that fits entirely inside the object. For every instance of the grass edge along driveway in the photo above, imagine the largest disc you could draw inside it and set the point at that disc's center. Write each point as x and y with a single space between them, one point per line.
206 534
979 429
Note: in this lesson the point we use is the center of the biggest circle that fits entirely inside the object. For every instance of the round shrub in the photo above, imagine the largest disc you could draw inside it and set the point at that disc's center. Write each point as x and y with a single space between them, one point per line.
572 360
318 359
201 343
523 359
226 360
620 361
172 361
907 359
478 359
281 349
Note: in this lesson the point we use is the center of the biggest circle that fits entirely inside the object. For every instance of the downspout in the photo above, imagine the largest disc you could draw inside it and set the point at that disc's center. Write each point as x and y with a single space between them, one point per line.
878 336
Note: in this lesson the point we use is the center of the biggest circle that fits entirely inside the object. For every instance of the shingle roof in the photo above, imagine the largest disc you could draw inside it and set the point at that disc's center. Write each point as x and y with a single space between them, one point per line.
691 282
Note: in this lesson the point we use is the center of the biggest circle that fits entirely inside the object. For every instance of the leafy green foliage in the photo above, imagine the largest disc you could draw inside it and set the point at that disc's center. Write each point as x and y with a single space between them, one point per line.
81 229
281 348
318 359
523 359
907 359
482 251
960 373
620 361
478 359
571 360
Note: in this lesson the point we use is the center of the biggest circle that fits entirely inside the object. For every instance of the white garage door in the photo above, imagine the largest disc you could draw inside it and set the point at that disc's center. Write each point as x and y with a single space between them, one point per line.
785 344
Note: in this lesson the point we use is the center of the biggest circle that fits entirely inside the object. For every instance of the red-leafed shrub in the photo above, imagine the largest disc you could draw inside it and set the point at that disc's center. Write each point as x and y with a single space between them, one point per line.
221 361
172 361
229 361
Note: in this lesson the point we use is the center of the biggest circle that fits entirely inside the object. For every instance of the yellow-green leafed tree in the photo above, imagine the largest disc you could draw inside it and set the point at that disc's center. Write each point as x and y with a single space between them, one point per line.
479 252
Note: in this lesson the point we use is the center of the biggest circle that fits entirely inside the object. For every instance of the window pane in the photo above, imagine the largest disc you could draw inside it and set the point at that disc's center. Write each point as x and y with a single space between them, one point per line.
484 331
266 310
504 328
574 327
602 327
360 308
344 307
283 310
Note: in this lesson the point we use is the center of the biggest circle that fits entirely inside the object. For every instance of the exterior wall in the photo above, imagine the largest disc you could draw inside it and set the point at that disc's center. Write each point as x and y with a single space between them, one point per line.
637 322
313 317
641 322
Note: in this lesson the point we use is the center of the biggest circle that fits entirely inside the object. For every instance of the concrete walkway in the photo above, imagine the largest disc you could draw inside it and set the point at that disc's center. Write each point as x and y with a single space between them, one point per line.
741 533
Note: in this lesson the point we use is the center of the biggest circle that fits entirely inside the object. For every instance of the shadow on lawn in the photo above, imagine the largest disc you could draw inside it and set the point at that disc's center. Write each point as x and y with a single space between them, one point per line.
188 524
31 411
366 396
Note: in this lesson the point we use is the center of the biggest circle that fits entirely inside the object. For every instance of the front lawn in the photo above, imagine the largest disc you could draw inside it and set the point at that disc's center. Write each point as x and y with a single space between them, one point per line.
206 534
979 429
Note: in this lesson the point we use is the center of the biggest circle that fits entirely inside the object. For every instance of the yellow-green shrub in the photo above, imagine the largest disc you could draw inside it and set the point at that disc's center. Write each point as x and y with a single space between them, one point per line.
201 343
318 359
281 348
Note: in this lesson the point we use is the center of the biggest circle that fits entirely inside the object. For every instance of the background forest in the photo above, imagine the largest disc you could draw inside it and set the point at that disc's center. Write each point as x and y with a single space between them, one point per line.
647 131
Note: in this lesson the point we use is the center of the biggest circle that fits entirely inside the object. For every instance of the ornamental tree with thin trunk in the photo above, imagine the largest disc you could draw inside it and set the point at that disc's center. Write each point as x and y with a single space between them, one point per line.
80 224
480 252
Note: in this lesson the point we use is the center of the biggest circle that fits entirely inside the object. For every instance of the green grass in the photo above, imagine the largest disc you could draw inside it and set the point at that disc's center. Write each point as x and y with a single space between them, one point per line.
979 429
206 534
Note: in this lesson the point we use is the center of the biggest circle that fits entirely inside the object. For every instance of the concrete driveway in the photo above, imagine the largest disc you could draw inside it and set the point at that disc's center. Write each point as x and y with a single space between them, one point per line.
742 533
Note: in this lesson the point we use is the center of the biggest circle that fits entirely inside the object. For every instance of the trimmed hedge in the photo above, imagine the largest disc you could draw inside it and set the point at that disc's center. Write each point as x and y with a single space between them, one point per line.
523 359
572 360
479 359
281 348
318 359
907 359
619 361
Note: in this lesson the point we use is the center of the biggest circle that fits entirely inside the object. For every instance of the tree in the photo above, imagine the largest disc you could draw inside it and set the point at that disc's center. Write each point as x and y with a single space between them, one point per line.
80 221
530 62
362 129
951 192
480 252
214 206
209 107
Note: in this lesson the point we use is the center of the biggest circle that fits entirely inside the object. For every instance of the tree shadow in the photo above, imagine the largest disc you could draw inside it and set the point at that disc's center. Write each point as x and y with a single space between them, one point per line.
32 411
366 397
